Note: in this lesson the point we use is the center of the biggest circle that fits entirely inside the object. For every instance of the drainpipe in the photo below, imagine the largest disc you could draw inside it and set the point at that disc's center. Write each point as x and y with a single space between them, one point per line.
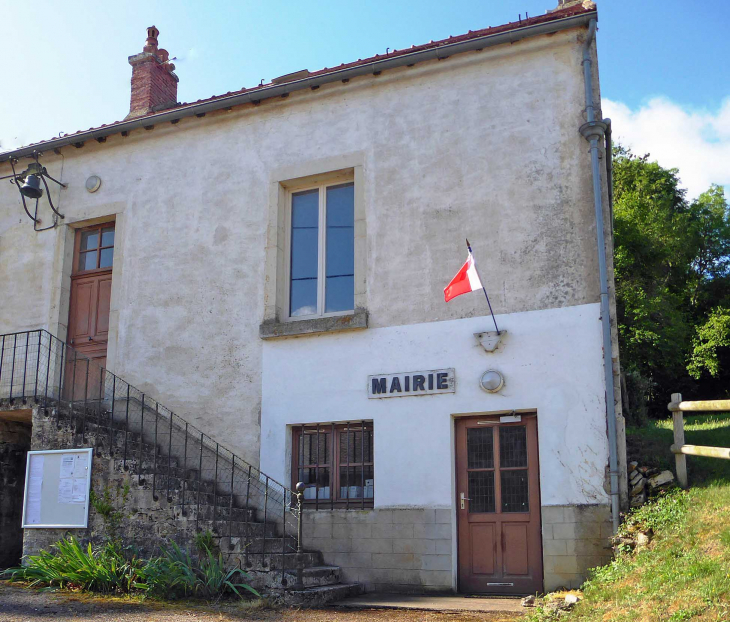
594 131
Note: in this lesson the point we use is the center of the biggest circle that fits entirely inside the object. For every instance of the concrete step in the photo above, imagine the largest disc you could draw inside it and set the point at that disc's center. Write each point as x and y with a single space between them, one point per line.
317 596
315 576
255 545
271 561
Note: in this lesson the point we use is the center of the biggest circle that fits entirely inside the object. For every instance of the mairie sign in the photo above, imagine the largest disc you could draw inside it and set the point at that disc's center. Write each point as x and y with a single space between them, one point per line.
412 383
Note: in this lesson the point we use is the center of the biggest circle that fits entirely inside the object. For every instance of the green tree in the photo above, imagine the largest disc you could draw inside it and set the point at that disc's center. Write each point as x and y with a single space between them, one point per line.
672 265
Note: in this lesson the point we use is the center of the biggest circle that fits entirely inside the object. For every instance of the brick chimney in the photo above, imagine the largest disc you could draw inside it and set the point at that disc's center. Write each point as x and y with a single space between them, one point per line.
154 85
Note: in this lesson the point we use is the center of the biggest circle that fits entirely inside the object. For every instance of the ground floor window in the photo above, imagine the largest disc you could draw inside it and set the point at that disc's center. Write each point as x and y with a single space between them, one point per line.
335 462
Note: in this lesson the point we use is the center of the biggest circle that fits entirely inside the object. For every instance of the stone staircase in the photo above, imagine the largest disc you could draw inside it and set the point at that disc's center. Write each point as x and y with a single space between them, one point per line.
181 482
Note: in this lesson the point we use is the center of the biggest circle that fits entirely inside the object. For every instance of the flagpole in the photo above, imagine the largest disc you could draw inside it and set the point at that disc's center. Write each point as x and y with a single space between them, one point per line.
483 288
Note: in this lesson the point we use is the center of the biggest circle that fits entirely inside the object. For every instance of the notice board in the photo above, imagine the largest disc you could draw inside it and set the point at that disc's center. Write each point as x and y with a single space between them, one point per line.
57 484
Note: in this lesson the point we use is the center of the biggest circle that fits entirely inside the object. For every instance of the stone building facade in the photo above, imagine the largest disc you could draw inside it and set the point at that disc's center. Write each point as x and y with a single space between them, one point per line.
211 264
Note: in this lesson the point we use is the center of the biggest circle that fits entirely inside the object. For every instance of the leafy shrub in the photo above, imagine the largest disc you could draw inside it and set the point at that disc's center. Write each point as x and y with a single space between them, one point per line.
175 574
102 570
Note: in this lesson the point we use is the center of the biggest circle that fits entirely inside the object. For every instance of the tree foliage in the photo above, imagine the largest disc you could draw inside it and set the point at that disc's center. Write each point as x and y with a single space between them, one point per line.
672 268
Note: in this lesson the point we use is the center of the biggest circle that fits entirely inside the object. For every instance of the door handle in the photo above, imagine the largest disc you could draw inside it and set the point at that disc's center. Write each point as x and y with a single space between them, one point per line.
463 499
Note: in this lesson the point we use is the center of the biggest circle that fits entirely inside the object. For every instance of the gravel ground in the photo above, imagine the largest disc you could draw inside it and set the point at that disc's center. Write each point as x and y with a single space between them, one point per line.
24 605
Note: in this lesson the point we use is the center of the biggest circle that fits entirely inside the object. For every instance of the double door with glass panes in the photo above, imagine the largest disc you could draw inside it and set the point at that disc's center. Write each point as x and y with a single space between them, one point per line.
498 506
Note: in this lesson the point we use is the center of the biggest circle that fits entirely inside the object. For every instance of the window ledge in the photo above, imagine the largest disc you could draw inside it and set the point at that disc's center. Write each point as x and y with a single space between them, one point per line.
332 324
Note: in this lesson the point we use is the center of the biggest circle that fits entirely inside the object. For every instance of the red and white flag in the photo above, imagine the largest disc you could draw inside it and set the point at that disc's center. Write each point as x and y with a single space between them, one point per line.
465 281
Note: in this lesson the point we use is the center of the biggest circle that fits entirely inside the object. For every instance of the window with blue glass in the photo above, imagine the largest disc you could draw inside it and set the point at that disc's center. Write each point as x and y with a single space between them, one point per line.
322 251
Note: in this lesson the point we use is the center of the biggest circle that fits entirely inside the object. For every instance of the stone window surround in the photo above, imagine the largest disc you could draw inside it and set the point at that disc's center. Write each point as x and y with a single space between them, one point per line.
283 181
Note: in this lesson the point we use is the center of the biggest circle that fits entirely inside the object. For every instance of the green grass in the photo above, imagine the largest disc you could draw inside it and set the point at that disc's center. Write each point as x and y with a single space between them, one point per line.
684 574
649 445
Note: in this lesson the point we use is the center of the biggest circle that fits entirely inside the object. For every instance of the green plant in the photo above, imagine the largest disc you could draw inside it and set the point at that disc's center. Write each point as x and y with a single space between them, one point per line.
96 570
110 506
205 541
176 574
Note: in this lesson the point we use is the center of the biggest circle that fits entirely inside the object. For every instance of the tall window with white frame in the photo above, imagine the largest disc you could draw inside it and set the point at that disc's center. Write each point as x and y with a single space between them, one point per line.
322 255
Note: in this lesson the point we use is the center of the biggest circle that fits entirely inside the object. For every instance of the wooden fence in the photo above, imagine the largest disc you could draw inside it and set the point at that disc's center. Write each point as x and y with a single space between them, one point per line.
682 450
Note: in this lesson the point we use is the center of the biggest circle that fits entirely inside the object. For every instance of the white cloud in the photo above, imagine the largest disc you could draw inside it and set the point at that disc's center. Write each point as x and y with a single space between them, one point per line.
697 142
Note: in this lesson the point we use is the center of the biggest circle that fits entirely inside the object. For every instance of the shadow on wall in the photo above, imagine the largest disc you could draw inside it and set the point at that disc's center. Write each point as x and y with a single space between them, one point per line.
14 445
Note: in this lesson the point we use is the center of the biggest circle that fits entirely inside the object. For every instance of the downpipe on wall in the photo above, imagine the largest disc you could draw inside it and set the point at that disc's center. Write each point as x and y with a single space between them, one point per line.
594 131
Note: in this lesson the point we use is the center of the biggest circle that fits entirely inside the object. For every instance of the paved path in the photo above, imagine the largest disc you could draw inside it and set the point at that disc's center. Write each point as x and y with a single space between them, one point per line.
433 603
24 605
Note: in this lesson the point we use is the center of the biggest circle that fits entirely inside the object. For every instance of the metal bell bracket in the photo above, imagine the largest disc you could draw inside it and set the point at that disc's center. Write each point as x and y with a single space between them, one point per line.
35 172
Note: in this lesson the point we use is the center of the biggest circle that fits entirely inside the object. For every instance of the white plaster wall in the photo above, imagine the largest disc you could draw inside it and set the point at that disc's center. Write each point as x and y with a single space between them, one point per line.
483 145
551 361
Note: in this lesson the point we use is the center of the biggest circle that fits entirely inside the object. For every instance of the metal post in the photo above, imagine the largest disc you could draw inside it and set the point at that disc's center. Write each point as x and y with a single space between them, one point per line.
86 399
299 585
185 471
37 368
230 505
362 464
316 476
25 363
266 506
48 371
73 389
169 460
126 431
283 541
2 356
332 465
61 375
102 384
140 481
200 469
680 460
111 417
12 366
154 459
347 449
215 486
248 518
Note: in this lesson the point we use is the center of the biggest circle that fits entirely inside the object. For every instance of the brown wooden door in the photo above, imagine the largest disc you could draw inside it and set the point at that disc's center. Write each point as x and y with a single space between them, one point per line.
88 322
498 506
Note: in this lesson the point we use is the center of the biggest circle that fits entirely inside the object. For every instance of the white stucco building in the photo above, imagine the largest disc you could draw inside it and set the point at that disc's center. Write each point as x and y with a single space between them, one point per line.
256 261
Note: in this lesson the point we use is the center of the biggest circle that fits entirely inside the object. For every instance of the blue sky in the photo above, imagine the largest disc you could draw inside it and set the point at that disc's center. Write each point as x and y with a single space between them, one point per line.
663 64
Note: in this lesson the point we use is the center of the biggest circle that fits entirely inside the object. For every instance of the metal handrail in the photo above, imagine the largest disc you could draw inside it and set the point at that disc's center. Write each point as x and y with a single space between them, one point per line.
36 365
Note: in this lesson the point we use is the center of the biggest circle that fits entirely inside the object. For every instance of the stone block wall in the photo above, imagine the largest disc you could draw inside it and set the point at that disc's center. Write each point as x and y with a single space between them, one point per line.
403 550
575 538
148 523
14 445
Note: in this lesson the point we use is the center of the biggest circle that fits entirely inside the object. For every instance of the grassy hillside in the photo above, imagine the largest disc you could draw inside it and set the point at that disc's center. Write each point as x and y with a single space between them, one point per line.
650 445
684 572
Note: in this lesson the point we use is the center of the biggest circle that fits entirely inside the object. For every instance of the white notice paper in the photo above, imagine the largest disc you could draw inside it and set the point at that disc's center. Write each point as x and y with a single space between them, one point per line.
79 490
82 463
35 483
67 466
65 490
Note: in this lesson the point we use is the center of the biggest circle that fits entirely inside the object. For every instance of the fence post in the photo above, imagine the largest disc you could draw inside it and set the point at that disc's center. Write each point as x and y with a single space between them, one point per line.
680 460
